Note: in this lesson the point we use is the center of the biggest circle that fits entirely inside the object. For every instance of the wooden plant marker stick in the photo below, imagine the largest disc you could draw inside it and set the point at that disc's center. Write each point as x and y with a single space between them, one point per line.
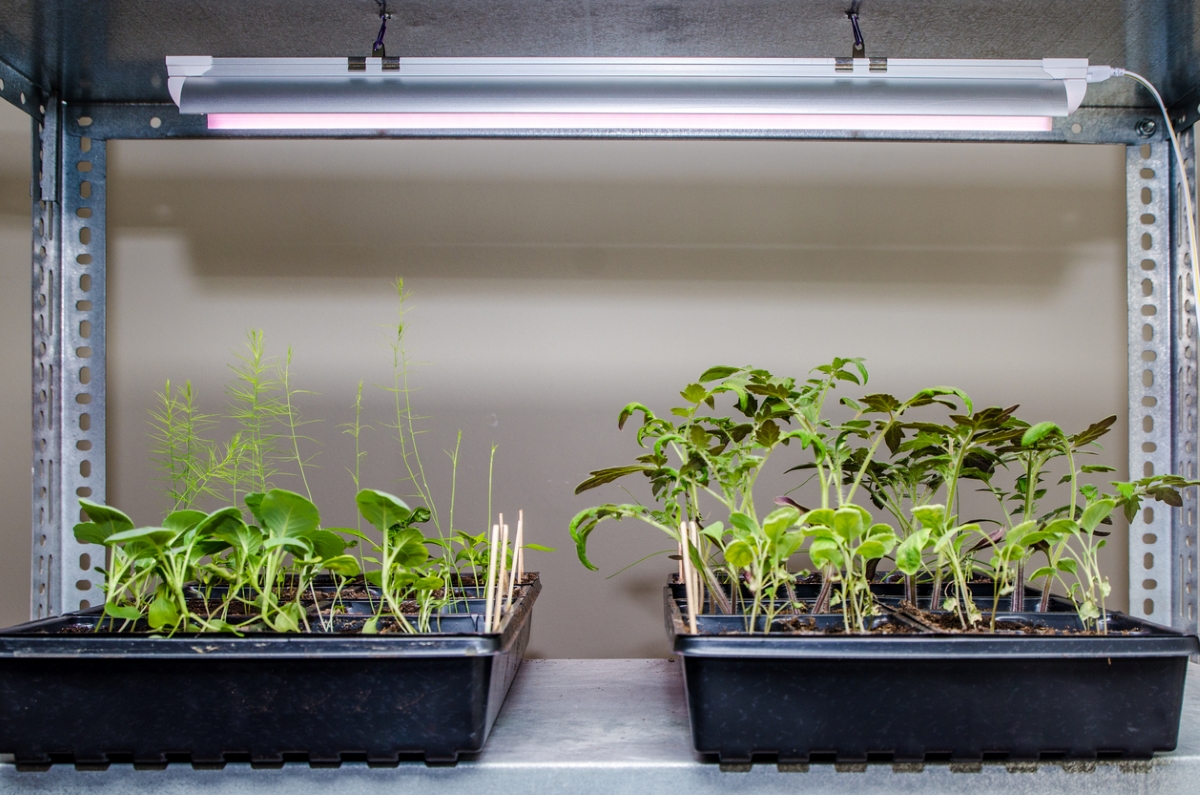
502 593
491 576
512 575
694 529
520 552
681 572
689 580
494 594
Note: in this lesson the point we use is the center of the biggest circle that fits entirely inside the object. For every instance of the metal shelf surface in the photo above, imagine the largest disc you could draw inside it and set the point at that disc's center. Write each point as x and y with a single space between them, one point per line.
620 726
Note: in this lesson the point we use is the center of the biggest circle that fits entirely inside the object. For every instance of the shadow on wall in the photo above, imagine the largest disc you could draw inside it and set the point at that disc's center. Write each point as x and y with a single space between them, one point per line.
926 237
549 291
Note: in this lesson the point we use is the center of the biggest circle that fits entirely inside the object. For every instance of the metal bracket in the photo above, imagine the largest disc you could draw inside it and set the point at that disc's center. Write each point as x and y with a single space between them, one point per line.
20 92
68 363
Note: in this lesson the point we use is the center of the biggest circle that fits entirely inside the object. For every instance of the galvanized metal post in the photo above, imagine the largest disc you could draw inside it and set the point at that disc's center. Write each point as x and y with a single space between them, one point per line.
1162 386
68 361
1183 367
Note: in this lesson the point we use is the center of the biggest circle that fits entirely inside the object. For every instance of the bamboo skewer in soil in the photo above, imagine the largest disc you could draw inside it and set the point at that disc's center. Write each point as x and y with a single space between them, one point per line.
512 577
681 558
501 580
694 530
491 577
689 576
520 551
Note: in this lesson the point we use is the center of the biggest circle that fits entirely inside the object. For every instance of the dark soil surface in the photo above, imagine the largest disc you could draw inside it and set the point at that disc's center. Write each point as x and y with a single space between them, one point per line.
808 626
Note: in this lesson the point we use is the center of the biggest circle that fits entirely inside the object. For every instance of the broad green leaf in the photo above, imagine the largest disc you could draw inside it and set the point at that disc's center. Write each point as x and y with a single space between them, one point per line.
848 523
126 612
300 546
162 612
909 553
371 627
104 522
326 544
743 522
101 514
381 509
92 533
715 531
739 555
1015 535
1059 528
931 516
1068 565
341 565
284 621
539 548
1037 433
825 553
870 550
821 517
158 536
779 520
227 525
288 514
789 544
253 502
1096 513
1044 571
182 520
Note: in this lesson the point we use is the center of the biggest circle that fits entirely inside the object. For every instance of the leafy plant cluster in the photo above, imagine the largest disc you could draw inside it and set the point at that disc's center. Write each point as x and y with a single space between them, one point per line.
262 559
888 480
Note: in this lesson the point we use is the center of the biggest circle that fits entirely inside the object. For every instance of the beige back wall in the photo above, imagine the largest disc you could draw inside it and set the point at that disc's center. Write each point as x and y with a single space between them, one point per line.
553 282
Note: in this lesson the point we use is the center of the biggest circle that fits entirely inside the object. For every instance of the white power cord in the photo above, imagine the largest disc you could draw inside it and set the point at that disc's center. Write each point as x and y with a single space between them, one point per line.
1098 74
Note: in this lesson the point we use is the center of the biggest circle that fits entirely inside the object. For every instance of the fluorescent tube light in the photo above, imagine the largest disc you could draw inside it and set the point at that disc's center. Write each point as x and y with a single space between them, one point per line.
628 121
538 94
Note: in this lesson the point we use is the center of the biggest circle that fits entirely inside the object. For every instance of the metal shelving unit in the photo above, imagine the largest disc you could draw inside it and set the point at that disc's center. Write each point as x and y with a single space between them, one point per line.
89 72
92 72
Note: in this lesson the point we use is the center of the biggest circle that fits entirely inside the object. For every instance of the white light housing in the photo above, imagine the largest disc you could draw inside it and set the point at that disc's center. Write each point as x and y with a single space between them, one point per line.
651 94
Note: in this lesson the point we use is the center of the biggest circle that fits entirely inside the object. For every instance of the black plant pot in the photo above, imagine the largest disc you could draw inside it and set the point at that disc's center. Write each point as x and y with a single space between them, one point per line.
918 695
96 697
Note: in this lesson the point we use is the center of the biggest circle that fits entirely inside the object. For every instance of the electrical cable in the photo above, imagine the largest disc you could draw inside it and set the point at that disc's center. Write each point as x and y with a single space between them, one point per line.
1097 74
377 48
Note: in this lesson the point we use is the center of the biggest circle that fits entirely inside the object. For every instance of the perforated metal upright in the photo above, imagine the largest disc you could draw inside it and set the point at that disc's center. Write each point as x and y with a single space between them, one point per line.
68 360
1162 383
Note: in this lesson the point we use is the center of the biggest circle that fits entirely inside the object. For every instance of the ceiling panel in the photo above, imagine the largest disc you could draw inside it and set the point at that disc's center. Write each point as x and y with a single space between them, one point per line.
113 50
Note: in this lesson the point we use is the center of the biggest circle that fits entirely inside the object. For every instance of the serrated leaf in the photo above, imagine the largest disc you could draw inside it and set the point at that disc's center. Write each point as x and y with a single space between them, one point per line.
603 476
718 372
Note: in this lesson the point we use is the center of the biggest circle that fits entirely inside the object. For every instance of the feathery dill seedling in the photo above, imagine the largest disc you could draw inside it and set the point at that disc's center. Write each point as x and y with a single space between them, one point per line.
258 407
405 425
179 450
291 420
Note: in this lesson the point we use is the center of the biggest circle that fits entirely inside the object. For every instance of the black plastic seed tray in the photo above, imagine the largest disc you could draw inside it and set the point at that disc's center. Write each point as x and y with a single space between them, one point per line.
812 693
68 693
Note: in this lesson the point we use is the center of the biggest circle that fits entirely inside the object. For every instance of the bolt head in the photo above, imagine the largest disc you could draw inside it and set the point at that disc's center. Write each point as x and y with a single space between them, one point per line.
1146 127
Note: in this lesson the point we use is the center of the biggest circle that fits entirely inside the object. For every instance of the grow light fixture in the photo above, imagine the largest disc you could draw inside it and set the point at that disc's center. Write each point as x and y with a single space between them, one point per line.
461 95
